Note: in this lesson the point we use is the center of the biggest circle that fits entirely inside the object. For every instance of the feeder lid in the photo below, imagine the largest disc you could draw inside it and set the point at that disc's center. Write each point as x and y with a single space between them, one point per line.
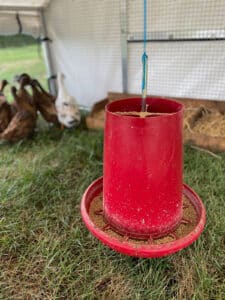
189 230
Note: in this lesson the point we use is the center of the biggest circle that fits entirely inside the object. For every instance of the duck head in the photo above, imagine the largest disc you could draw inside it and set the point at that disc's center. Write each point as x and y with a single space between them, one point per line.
24 77
68 114
3 84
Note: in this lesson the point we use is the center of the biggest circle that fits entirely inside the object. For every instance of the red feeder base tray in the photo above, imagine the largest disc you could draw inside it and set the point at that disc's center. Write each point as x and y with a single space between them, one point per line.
190 228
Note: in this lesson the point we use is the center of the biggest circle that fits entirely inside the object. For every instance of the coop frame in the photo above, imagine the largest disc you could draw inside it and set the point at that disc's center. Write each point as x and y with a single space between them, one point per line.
126 37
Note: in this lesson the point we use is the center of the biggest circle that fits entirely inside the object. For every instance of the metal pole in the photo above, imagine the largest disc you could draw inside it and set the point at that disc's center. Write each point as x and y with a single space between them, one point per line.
47 56
178 36
123 43
19 8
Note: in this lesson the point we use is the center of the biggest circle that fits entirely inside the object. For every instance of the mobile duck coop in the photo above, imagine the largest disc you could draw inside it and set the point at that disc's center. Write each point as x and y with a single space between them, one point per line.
98 45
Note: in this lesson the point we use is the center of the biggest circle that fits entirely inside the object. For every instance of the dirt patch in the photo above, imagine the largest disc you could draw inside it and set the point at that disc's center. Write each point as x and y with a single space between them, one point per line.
189 215
115 286
23 280
185 273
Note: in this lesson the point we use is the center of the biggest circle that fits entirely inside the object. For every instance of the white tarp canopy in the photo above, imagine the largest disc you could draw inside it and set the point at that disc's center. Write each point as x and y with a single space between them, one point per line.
28 13
24 3
87 44
30 22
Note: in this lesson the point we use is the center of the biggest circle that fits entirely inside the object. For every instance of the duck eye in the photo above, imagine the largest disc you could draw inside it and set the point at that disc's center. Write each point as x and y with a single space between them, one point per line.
65 104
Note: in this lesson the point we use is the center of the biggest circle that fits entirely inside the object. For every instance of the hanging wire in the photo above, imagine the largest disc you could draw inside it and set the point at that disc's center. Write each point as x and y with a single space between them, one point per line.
144 61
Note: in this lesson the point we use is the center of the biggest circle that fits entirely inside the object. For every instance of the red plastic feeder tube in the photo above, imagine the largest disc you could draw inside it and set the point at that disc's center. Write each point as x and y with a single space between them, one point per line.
142 178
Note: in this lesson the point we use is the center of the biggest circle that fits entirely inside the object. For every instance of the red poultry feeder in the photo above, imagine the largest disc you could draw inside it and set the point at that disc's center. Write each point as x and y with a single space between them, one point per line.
141 207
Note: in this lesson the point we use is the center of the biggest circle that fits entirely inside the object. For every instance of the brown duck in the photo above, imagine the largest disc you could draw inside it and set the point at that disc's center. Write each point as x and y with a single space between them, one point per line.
23 122
45 102
24 80
18 78
44 91
5 109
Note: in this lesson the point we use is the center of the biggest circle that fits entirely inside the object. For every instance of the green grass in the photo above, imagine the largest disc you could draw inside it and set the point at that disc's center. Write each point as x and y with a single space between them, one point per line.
17 60
17 40
45 250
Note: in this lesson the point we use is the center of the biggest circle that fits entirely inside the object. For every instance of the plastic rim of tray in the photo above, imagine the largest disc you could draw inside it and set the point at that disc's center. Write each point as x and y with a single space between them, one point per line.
128 246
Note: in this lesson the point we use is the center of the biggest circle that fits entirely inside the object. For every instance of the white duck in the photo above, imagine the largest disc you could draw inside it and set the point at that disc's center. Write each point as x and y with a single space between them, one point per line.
67 108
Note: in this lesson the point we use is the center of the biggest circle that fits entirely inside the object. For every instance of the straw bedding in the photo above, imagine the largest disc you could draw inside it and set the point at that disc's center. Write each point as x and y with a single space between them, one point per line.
204 128
211 124
200 120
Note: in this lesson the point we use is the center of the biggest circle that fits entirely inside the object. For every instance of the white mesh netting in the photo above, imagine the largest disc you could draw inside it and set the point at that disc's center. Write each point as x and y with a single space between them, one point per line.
86 47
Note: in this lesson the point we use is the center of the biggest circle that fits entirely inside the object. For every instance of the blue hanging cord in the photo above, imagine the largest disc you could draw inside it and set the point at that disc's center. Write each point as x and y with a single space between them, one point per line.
144 61
145 25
